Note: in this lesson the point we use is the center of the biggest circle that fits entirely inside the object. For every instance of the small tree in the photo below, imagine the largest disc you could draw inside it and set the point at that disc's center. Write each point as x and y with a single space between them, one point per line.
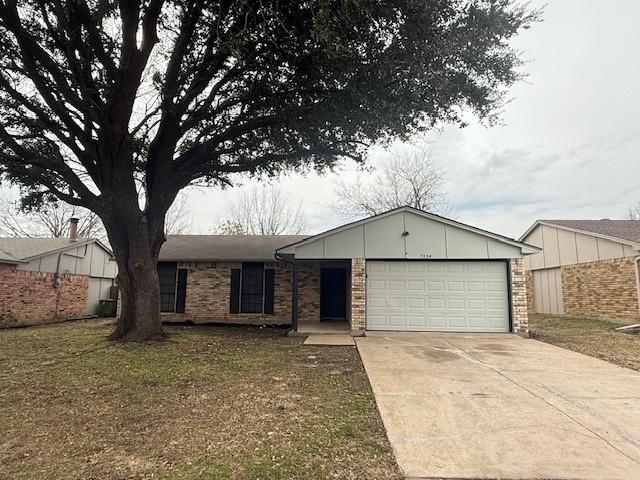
634 212
264 211
51 220
407 177
178 221
102 100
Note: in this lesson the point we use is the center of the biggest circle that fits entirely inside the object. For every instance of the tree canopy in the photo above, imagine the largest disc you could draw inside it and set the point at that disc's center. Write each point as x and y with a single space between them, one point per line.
116 106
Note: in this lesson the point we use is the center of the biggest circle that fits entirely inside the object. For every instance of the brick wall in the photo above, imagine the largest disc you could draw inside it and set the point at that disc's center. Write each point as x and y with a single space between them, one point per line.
308 292
358 296
209 291
519 305
606 288
528 276
28 298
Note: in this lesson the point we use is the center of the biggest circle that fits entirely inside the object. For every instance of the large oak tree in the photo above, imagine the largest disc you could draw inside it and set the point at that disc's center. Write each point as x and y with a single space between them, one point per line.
117 105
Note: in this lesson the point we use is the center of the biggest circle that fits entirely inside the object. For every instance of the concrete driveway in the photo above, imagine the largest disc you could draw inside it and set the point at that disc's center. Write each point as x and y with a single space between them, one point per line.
499 406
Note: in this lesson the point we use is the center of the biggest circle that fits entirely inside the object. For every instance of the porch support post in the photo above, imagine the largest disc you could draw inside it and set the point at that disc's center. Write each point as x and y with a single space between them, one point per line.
294 296
358 296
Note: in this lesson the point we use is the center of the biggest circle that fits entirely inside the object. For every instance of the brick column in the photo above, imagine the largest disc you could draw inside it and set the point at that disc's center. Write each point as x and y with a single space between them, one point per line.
358 296
519 297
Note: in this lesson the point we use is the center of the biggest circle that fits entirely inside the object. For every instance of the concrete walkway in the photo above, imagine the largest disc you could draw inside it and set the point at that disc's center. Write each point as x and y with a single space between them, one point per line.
499 406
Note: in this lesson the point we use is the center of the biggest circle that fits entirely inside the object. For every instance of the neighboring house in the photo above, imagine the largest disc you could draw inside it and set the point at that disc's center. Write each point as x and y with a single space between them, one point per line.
44 279
402 270
586 268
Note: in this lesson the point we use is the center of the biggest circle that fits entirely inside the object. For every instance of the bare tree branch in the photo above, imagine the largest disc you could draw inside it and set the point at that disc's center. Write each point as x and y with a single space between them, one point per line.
263 211
634 212
52 220
408 177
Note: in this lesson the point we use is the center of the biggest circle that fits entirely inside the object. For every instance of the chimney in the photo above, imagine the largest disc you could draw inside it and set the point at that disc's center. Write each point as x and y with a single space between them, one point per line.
73 229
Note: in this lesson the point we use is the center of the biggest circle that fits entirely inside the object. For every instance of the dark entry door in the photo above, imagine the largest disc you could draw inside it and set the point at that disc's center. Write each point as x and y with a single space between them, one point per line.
333 294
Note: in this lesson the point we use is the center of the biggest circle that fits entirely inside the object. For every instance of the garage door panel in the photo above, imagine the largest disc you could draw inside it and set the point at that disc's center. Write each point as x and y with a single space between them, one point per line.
475 286
418 303
437 303
397 320
455 304
434 266
454 267
456 322
397 302
436 295
417 321
477 322
436 322
476 304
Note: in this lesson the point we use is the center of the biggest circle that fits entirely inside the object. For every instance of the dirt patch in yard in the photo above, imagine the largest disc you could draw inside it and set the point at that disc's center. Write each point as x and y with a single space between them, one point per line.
597 338
207 403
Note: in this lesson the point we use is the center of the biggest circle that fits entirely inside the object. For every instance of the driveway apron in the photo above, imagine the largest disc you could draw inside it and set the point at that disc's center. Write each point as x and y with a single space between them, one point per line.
500 406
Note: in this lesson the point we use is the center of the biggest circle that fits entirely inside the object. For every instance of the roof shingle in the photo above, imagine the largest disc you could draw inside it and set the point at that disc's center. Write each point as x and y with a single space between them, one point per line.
224 247
628 230
19 249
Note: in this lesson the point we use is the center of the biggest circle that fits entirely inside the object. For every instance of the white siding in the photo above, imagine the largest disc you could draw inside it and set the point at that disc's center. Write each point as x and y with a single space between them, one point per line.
91 260
563 247
383 237
425 238
547 291
99 289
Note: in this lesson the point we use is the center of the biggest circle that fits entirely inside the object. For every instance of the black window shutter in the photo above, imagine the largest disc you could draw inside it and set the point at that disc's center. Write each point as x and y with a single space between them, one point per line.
181 291
269 288
167 278
234 302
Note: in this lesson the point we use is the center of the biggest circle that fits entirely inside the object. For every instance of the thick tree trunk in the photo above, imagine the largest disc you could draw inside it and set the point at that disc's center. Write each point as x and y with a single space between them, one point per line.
136 251
139 318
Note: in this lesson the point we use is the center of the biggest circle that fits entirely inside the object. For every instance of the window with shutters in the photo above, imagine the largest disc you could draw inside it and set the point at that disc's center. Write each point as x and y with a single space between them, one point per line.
173 287
252 289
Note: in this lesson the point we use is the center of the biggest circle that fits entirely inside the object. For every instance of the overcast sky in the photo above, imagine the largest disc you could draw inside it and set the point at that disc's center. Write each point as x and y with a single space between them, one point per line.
569 146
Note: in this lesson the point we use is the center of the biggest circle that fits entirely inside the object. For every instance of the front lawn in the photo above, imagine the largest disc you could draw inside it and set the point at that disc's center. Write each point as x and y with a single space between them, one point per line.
207 403
597 338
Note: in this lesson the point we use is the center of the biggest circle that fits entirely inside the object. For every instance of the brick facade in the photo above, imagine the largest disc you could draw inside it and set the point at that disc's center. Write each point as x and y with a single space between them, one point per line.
528 277
209 291
605 288
308 292
519 305
358 296
28 298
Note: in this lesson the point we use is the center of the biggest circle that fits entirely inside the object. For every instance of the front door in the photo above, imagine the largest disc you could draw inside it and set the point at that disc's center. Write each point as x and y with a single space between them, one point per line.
333 293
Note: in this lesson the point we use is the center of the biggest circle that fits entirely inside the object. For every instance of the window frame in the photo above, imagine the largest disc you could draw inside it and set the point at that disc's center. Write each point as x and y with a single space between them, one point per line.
176 269
238 296
255 266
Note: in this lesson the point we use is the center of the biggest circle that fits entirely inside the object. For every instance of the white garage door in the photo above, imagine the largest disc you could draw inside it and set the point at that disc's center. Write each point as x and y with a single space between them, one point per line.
452 296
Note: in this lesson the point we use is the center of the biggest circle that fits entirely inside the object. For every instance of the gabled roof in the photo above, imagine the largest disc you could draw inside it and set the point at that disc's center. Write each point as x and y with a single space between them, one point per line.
21 249
526 248
623 231
248 248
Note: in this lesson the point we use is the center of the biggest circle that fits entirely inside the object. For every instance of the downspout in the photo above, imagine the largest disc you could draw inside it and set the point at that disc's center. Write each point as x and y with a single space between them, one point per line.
294 290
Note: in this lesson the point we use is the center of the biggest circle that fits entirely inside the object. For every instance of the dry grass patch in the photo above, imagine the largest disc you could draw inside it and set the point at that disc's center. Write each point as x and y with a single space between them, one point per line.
207 403
597 338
